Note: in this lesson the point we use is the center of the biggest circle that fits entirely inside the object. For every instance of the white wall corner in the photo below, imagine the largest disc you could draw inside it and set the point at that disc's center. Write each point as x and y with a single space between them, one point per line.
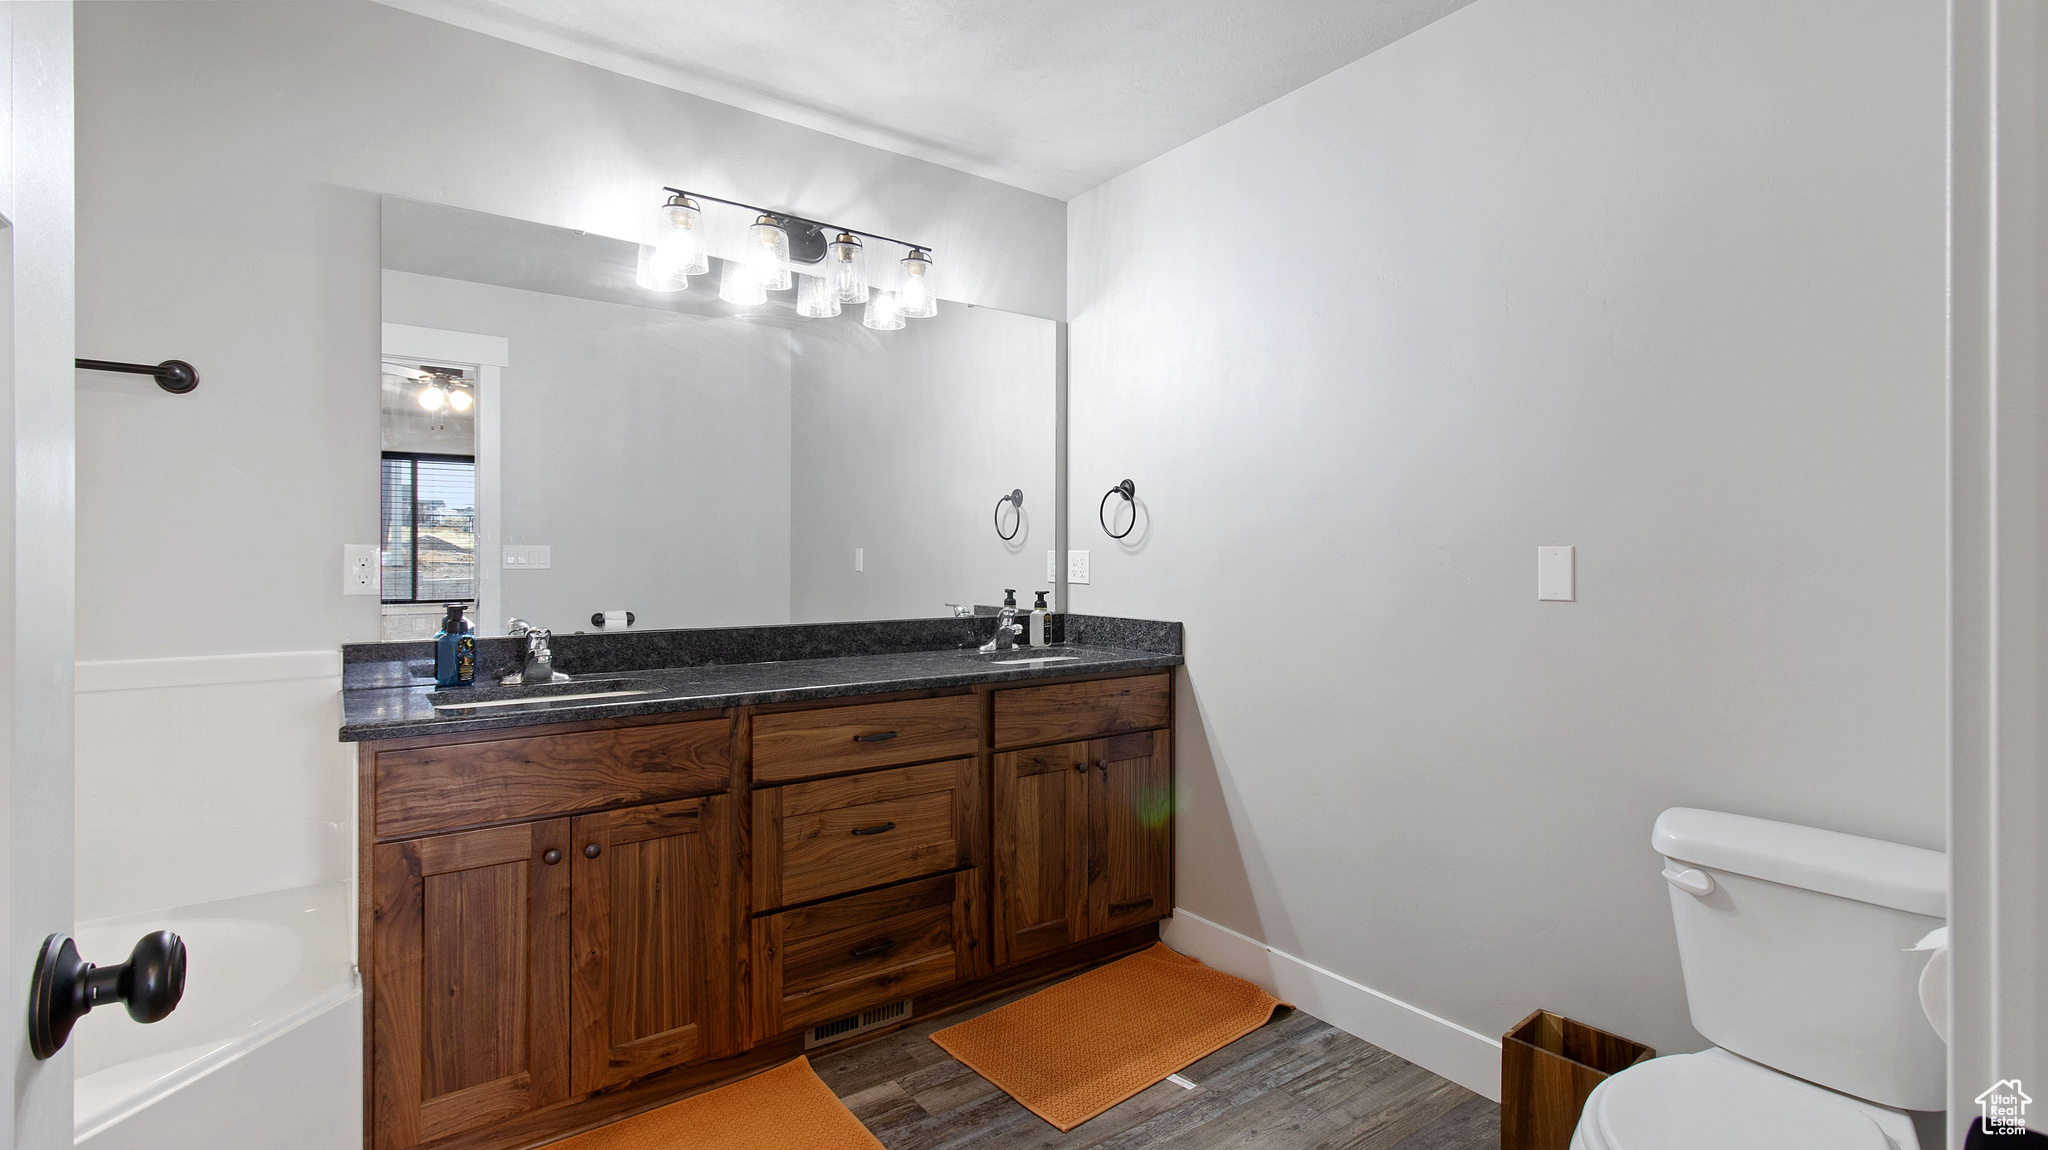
1438 1045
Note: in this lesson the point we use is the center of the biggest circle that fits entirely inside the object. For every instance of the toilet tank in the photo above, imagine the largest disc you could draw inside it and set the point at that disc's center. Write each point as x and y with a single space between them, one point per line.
1796 950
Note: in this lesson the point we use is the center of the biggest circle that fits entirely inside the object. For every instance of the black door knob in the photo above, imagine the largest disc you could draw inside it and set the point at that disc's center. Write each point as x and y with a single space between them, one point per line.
551 856
592 851
65 987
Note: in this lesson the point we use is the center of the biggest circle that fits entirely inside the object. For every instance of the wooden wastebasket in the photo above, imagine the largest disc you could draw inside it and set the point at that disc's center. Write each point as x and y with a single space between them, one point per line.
1548 1065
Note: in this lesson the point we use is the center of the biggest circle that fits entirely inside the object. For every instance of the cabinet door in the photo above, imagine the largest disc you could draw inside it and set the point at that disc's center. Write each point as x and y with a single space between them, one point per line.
1130 832
470 953
1041 901
653 940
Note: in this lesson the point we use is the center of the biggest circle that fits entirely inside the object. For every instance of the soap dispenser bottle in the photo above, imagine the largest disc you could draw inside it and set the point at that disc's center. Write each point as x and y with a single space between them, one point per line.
1041 620
455 650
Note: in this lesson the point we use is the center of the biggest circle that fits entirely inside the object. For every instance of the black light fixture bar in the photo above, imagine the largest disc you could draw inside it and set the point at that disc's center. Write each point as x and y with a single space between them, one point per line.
782 215
173 375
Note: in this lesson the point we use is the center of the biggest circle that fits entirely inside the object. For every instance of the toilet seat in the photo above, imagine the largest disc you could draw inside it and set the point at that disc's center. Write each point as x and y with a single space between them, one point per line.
1713 1101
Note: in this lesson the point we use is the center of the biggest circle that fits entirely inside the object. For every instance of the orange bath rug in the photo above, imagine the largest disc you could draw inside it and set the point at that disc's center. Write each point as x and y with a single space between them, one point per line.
1075 1049
776 1109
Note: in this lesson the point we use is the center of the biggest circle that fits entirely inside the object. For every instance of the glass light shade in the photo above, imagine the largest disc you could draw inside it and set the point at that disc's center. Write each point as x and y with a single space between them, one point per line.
768 254
882 313
849 269
432 397
677 252
914 298
740 284
814 298
460 400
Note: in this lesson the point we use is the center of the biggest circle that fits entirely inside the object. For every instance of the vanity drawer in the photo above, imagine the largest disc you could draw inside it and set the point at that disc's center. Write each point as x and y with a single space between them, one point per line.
804 744
1064 712
824 962
817 839
423 789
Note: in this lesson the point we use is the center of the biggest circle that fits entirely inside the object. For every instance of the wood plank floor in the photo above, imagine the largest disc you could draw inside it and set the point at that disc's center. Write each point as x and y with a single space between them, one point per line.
1296 1083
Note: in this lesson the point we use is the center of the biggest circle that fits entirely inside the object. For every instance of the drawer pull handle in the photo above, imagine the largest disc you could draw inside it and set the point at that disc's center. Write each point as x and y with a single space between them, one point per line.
592 851
551 857
874 948
883 737
874 830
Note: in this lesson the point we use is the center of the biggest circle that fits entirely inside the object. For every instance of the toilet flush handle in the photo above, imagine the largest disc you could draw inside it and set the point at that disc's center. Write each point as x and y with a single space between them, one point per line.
1689 879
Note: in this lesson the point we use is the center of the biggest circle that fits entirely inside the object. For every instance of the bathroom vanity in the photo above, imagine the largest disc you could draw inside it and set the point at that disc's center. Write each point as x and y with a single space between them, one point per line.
575 910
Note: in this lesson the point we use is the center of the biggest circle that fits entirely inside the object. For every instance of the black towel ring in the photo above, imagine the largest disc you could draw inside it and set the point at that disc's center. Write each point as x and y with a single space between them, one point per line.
1129 491
1016 500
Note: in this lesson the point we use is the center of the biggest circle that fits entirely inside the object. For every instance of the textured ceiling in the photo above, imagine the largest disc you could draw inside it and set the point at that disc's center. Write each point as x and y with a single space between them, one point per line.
1054 96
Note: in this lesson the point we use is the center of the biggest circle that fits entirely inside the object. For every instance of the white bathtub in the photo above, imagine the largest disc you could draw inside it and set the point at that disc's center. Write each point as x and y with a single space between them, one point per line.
265 1049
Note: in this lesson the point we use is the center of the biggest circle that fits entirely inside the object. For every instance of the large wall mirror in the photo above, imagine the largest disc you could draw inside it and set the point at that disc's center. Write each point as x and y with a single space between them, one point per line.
560 442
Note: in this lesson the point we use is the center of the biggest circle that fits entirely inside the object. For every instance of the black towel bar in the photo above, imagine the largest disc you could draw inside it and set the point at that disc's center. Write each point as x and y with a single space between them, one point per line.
173 375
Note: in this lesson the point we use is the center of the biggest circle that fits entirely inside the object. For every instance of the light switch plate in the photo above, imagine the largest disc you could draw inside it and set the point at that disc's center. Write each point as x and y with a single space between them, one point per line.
1077 567
361 569
1556 574
530 557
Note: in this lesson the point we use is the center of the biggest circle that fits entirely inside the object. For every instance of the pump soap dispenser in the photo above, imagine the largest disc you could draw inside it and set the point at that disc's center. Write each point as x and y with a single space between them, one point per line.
1041 620
455 650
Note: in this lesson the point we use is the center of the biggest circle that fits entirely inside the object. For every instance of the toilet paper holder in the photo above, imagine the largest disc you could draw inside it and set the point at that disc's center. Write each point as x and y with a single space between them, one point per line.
597 619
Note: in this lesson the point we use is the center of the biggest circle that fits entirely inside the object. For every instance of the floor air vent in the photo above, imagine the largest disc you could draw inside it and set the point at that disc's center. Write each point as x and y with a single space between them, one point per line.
853 1024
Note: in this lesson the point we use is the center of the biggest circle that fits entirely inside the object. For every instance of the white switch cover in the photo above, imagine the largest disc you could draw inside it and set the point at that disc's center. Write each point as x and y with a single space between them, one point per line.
860 559
361 570
1555 580
1077 566
530 557
1052 567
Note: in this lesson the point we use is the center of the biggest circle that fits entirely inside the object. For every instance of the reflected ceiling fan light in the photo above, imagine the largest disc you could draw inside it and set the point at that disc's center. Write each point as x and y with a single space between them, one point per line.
460 399
677 252
914 298
882 313
815 298
767 253
739 284
849 269
432 397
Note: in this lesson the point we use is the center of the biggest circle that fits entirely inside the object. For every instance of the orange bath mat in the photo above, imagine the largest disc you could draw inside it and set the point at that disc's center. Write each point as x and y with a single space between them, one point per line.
776 1109
1075 1049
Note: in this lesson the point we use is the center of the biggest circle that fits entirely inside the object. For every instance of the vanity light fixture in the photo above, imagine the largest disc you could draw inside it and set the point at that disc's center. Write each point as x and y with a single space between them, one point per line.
740 284
768 253
815 298
915 299
677 252
849 269
883 314
776 253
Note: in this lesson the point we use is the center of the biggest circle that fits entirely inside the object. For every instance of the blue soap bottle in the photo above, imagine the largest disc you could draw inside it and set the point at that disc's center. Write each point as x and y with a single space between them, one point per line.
455 650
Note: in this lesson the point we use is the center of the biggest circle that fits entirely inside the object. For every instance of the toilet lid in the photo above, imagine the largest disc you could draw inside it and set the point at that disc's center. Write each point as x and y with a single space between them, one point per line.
1692 1102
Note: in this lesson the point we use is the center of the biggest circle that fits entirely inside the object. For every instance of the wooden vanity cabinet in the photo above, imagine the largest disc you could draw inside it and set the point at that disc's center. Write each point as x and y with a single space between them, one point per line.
1083 829
570 923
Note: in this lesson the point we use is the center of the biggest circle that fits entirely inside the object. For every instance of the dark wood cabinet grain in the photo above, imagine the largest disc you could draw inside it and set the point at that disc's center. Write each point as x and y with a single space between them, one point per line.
1026 716
823 838
790 745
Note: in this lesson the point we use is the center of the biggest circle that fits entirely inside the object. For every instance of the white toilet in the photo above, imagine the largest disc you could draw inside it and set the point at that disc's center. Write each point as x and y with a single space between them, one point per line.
1796 945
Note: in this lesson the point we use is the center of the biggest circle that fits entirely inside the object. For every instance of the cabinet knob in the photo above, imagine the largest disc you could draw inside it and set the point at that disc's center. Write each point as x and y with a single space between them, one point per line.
1103 766
592 851
1081 767
551 856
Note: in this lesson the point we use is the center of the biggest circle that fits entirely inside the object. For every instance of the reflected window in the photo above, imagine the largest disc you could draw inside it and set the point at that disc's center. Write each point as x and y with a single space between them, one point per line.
429 525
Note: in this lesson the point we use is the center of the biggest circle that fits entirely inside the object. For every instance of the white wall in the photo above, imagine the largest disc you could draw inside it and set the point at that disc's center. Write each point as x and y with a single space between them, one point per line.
903 441
648 449
1660 280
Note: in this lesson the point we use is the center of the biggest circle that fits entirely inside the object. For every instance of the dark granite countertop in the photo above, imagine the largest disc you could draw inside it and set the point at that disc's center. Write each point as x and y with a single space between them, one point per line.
388 686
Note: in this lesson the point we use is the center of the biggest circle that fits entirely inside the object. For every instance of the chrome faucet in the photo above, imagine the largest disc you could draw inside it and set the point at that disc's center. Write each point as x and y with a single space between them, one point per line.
539 665
1007 627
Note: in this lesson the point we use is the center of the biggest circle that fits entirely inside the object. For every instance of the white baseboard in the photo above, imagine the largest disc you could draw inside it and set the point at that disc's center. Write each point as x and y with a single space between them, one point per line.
1466 1057
204 670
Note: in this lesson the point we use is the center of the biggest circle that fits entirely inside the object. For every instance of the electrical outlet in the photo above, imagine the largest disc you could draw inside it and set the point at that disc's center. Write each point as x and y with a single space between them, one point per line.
530 557
1077 567
361 569
1052 567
